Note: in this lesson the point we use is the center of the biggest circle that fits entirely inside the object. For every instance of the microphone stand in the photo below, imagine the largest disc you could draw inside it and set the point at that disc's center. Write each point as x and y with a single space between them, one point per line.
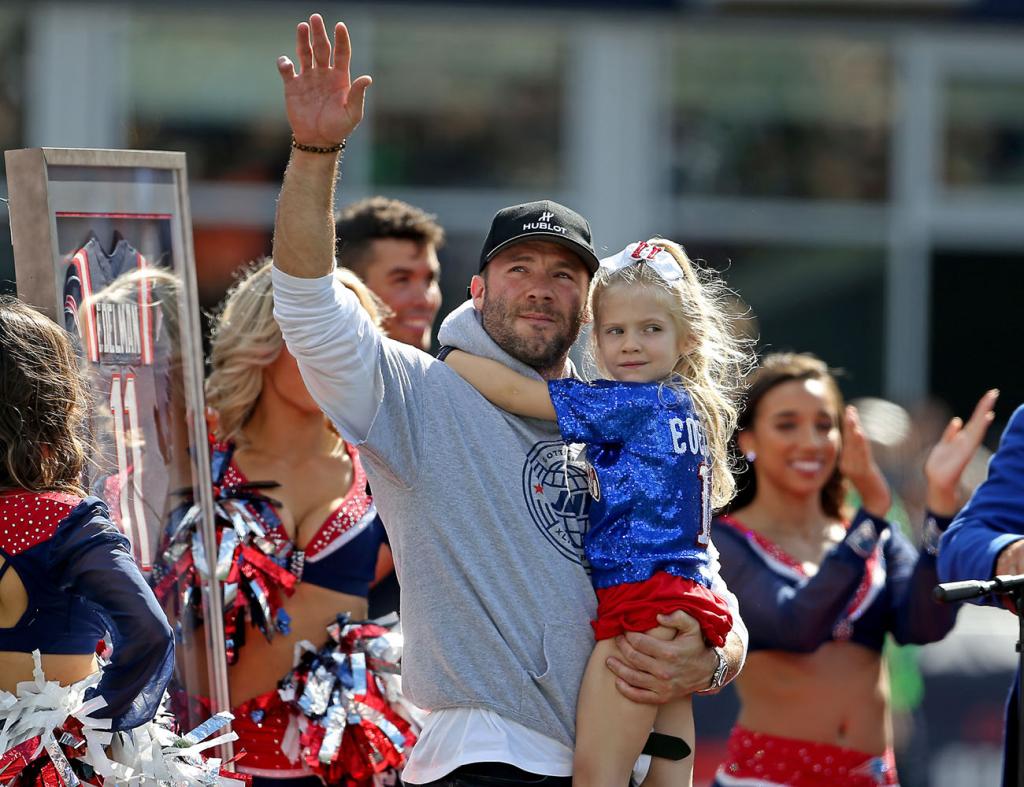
1013 588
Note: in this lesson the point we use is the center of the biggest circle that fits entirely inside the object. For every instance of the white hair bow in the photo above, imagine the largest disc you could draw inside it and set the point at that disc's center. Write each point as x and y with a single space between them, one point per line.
659 260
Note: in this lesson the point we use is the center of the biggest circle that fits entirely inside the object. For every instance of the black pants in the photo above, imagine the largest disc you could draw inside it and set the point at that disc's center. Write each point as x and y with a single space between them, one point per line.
495 774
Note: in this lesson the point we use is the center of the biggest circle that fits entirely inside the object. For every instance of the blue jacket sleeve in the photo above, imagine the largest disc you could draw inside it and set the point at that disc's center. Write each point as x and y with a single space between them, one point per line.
91 558
992 519
917 618
794 618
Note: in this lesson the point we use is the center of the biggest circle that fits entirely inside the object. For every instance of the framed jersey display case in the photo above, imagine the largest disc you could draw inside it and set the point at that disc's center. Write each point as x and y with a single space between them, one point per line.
103 245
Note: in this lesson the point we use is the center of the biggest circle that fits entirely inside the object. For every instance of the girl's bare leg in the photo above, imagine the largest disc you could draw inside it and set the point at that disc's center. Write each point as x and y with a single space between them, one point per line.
610 729
674 719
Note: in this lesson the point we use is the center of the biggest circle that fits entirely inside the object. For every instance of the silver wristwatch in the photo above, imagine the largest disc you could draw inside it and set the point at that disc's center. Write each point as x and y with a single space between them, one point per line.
721 670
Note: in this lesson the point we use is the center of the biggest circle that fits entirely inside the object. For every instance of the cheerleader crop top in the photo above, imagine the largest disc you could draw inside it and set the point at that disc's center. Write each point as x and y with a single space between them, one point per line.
852 597
81 583
342 555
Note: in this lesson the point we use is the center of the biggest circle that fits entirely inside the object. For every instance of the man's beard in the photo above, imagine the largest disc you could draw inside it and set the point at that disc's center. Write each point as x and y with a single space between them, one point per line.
535 351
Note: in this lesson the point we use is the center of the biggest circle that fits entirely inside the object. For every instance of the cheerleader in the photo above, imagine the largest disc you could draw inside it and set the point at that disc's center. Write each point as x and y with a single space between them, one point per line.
819 592
300 544
68 580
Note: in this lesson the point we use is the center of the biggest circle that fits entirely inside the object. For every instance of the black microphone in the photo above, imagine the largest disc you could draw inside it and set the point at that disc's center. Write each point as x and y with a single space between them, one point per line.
973 588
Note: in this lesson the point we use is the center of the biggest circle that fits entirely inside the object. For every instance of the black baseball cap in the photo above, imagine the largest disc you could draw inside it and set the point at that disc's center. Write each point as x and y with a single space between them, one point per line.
541 220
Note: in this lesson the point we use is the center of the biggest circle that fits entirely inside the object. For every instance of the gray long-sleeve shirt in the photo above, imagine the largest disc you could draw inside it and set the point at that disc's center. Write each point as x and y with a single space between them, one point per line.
485 521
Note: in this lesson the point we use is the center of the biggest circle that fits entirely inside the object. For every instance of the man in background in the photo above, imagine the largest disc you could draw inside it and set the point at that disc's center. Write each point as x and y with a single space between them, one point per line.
392 246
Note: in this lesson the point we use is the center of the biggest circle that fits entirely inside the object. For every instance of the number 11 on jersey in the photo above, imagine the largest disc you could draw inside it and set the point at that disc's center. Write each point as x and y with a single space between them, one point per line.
124 408
704 537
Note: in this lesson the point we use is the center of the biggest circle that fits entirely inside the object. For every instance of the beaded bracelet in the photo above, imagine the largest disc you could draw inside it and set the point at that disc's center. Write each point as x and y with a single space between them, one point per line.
314 149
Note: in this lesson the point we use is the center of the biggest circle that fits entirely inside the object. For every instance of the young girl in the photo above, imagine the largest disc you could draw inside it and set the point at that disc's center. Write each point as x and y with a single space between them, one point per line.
656 437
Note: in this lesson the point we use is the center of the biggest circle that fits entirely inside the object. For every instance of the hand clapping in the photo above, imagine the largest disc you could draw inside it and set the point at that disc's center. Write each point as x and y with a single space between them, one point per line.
950 456
858 465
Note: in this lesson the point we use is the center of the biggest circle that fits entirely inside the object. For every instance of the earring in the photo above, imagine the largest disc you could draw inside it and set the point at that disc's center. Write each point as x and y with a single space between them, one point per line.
750 456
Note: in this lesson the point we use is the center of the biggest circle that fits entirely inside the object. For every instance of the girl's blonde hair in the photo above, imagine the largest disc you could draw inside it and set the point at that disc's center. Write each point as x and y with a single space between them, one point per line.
246 338
713 369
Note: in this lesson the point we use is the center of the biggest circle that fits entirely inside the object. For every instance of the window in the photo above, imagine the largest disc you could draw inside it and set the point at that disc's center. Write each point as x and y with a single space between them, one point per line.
975 306
466 104
206 84
779 115
984 133
824 300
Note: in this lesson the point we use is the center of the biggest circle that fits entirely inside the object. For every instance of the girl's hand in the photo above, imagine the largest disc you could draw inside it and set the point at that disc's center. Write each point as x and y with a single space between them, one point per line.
858 465
953 452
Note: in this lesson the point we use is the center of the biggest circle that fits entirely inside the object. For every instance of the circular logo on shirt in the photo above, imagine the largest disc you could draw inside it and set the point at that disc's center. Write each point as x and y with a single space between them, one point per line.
557 498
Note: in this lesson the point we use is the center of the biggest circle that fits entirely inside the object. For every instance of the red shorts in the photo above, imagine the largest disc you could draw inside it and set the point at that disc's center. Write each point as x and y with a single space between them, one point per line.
635 606
773 761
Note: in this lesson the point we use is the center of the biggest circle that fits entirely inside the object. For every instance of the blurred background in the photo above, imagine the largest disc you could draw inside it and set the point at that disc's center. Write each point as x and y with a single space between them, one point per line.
854 169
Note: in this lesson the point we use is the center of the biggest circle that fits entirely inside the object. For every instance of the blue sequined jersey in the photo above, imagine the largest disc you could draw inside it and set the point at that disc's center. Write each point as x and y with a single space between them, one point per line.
650 478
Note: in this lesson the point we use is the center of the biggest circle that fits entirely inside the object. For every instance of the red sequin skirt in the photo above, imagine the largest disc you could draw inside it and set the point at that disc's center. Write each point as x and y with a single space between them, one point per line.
279 742
758 760
262 741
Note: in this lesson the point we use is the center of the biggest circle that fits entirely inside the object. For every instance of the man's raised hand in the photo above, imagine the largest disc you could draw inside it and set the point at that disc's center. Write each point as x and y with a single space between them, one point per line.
323 104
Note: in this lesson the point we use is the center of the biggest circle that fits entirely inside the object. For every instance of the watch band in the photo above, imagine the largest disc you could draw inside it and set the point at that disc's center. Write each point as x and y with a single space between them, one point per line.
721 670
